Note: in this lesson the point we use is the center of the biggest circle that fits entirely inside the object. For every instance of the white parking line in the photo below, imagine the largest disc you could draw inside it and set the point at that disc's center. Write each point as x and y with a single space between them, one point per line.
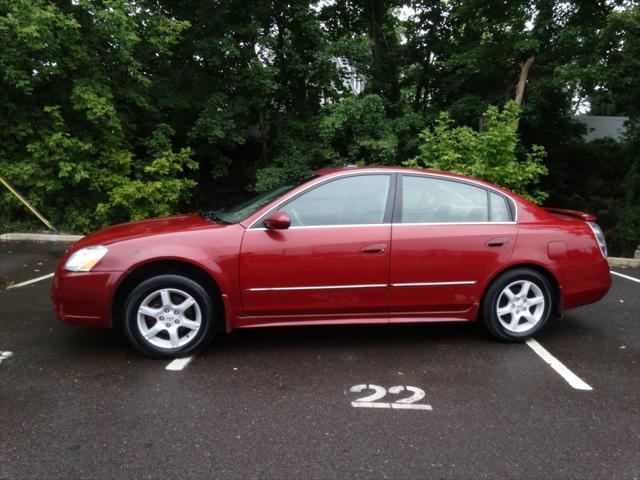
571 378
633 279
33 280
179 363
5 355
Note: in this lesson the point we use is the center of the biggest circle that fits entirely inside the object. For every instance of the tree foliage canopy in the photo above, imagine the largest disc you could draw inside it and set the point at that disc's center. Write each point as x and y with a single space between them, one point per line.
113 110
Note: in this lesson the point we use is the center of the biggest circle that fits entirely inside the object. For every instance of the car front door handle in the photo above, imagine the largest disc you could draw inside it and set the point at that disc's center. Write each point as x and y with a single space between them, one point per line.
375 248
497 242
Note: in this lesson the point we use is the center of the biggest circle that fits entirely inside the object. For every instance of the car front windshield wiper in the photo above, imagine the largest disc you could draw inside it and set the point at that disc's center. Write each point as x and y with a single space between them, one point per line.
213 216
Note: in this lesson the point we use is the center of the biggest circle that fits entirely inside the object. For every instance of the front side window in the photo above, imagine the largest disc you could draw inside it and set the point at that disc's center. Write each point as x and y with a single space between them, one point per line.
245 209
354 200
434 200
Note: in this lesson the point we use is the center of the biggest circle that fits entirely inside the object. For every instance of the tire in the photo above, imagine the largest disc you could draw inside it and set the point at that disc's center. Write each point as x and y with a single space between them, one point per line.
169 316
512 317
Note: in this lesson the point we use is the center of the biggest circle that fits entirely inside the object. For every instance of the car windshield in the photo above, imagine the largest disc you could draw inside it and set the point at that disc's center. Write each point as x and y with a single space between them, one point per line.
245 209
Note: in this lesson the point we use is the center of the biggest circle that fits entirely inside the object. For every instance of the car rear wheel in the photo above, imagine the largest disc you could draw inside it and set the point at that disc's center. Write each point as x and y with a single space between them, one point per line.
169 316
517 305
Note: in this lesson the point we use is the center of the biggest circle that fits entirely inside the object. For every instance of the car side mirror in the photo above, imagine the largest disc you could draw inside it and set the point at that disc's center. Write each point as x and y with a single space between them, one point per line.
278 220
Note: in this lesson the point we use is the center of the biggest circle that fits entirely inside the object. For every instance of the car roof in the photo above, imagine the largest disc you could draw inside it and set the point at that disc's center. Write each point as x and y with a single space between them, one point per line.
348 168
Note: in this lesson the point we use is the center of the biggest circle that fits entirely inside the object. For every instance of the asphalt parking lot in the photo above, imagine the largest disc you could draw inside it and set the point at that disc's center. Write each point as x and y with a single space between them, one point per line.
283 403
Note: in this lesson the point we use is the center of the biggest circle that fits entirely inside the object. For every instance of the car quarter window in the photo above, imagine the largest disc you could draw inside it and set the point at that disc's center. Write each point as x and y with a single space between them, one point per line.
499 208
354 200
436 200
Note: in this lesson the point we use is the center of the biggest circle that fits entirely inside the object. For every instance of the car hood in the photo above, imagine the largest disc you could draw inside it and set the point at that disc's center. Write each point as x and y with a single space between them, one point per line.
143 228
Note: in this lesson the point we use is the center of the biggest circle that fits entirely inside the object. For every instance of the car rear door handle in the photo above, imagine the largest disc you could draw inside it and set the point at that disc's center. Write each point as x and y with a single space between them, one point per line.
497 242
375 248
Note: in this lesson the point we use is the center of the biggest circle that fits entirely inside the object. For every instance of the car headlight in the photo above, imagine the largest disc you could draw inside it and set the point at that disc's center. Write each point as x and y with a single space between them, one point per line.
599 234
84 259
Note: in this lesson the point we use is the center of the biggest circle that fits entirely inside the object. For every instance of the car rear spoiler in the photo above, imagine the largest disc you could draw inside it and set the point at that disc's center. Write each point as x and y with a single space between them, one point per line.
572 213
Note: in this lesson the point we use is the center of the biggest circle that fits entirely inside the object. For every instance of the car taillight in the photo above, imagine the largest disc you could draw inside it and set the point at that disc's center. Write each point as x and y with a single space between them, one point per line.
597 232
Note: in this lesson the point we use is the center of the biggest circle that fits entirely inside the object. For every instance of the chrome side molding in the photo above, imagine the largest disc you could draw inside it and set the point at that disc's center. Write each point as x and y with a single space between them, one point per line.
317 287
433 284
372 285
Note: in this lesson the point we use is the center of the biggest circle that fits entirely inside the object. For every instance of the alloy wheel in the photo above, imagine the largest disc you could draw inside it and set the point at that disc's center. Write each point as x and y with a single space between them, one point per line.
520 306
169 318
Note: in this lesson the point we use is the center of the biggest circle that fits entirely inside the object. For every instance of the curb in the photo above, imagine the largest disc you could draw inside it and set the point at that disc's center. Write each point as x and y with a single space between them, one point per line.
624 262
39 237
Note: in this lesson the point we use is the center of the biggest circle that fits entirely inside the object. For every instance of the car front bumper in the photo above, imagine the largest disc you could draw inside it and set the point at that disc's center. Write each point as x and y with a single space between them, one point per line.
84 298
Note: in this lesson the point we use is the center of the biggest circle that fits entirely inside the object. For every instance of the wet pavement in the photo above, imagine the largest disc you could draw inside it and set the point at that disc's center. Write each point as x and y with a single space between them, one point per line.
277 403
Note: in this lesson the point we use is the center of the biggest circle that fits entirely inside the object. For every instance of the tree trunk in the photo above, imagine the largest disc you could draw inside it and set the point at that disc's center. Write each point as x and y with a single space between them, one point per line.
418 96
374 35
522 81
263 135
384 50
435 20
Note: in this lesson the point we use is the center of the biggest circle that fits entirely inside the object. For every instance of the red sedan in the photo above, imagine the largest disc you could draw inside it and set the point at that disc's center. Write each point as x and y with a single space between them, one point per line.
338 246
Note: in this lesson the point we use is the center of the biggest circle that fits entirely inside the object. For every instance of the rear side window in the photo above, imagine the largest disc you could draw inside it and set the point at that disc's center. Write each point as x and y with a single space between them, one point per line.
434 200
499 208
355 200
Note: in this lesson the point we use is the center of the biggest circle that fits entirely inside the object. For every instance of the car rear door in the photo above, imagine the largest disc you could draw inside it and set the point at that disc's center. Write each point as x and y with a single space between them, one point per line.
448 236
334 259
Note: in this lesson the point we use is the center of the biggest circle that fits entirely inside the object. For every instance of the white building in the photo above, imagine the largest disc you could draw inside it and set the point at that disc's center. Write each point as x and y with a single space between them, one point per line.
351 79
603 127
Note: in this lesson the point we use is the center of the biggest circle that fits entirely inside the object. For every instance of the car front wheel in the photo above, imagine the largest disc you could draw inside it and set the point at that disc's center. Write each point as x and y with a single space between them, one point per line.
517 305
169 316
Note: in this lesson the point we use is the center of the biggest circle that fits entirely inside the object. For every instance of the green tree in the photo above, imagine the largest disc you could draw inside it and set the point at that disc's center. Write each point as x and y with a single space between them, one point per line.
490 154
374 25
356 130
114 109
77 110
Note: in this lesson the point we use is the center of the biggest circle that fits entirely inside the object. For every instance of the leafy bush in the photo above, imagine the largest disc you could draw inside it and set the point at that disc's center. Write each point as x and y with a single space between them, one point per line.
355 130
490 154
79 186
358 130
80 133
626 236
602 177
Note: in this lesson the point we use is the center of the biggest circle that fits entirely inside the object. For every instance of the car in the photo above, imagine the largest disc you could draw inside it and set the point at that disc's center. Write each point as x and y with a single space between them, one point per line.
337 246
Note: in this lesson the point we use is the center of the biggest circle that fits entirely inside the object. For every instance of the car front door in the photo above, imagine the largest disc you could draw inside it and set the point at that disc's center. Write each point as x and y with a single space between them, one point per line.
332 262
447 237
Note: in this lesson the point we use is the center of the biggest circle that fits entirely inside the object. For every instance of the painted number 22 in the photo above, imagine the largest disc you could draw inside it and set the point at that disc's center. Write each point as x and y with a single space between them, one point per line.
405 403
